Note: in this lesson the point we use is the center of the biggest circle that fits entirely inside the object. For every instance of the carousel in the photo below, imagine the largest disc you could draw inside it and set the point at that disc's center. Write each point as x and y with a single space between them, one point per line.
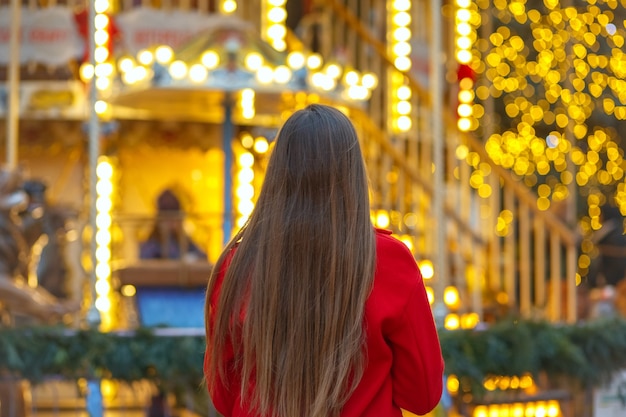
166 162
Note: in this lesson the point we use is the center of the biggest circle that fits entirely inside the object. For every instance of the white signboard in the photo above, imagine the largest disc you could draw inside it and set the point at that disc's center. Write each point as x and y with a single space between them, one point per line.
48 36
145 27
48 99
610 400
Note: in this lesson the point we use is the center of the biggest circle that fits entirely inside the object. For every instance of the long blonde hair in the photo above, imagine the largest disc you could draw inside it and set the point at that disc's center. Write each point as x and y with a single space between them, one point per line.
300 275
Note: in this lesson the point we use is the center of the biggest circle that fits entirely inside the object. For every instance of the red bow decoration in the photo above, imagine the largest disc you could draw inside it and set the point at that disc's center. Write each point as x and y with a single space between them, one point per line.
82 23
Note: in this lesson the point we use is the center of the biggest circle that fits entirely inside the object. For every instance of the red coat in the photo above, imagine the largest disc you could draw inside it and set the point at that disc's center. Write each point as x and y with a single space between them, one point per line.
405 366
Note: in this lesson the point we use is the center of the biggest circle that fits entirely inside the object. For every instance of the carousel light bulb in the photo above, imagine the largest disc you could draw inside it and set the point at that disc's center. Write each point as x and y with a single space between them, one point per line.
103 70
248 112
333 71
104 188
382 219
178 70
464 29
464 110
126 64
463 15
404 123
139 73
402 19
276 14
103 270
403 63
253 61
403 107
198 73
466 96
86 72
296 60
464 124
402 5
101 54
102 287
451 296
245 175
103 204
277 31
261 145
369 80
323 81
101 6
128 290
452 322
357 92
401 34
282 74
103 254
101 37
246 160
402 49
103 304
314 61
403 93
163 54
265 75
210 59
463 42
229 6
352 78
279 44
245 191
427 268
145 57
100 106
103 83
245 207
464 56
101 21
241 221
247 96
247 141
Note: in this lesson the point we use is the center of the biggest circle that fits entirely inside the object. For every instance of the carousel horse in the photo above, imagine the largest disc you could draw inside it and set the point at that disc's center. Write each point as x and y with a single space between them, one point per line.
46 229
20 301
17 298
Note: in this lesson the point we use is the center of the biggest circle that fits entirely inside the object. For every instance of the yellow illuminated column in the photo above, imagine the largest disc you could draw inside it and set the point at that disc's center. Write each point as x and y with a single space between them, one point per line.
400 51
103 69
244 188
246 103
273 18
104 190
100 69
465 38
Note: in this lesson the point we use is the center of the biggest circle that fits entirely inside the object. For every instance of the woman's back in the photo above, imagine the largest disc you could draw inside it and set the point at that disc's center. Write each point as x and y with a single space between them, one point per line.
285 331
404 364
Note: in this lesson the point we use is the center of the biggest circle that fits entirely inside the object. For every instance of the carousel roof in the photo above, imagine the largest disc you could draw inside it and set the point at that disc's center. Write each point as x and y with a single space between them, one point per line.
226 63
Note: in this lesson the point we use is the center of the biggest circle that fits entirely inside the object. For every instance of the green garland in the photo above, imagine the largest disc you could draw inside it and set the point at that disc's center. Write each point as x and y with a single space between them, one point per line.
588 353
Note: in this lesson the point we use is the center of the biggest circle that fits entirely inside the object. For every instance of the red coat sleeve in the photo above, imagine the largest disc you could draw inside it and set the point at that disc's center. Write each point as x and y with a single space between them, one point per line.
417 369
223 400
223 397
